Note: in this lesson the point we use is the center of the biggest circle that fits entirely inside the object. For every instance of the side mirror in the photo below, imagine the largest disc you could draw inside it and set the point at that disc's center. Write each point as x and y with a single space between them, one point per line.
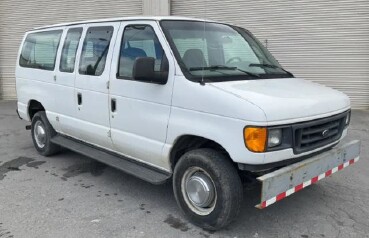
143 70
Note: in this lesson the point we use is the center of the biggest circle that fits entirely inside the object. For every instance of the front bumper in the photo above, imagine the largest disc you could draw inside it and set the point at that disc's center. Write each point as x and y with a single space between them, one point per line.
290 179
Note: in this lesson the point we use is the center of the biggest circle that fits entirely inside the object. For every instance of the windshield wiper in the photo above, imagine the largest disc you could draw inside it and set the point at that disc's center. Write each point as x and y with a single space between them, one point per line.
222 67
272 67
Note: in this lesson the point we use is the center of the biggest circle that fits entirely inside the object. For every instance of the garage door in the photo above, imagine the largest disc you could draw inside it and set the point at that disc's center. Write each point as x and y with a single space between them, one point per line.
18 16
324 41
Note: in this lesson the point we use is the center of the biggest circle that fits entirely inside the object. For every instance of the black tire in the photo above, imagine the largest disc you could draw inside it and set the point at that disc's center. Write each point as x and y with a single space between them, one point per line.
49 148
227 183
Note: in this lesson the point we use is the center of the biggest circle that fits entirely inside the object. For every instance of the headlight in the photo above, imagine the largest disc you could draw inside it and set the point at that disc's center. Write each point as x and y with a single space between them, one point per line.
274 137
348 117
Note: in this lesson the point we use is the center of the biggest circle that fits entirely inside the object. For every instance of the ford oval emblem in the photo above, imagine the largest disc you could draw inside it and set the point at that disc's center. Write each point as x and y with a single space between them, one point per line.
325 133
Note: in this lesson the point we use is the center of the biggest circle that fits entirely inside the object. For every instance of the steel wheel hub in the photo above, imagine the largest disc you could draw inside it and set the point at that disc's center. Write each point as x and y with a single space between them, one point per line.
199 191
40 134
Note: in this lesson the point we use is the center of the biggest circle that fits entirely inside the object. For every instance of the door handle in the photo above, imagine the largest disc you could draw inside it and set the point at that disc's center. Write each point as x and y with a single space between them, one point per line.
79 98
113 105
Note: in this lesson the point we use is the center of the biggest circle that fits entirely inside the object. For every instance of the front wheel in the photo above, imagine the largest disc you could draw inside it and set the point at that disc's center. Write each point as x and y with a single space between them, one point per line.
207 188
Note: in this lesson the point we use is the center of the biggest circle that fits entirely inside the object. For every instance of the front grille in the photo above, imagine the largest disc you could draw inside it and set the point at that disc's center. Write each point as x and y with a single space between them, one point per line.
318 133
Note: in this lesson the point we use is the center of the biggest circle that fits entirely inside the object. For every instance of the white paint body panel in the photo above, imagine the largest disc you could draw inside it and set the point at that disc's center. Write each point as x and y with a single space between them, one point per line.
64 88
150 118
93 115
139 124
288 98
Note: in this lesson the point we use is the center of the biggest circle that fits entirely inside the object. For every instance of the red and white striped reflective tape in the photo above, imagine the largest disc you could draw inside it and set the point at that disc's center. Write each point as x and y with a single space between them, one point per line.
297 188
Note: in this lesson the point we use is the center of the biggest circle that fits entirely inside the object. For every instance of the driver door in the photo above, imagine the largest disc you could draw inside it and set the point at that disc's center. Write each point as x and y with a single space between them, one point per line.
139 110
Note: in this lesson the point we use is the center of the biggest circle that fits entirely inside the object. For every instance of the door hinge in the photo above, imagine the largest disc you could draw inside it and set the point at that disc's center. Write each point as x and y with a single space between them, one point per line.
107 85
109 133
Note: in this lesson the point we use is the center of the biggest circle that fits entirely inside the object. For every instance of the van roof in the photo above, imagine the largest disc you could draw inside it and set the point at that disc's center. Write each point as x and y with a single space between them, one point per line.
153 18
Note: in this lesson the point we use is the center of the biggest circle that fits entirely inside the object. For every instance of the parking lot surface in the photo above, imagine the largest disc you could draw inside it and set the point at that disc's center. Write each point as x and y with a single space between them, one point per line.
69 195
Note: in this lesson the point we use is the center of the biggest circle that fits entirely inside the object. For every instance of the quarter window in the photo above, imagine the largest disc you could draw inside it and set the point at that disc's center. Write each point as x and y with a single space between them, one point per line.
95 49
68 56
39 50
140 41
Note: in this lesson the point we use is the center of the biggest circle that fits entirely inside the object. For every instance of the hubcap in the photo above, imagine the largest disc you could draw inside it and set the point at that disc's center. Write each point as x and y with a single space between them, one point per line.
199 191
40 134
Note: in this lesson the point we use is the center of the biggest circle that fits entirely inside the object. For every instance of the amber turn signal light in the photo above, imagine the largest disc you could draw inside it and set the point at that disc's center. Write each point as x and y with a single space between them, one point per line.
255 138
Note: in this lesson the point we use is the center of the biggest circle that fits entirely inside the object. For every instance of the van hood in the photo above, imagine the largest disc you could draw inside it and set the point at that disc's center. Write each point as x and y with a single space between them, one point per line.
288 98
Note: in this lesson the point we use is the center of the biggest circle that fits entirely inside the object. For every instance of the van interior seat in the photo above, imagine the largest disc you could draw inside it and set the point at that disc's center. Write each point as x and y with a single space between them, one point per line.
194 58
87 65
127 59
133 53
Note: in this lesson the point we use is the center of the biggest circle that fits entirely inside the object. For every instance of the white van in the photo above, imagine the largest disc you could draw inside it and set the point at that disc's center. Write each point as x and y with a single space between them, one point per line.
199 102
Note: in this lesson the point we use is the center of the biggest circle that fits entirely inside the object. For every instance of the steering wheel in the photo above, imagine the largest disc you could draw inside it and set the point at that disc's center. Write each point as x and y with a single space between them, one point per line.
233 59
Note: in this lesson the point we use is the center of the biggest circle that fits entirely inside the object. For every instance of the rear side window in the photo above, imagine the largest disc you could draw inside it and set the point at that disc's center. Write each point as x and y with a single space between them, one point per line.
68 57
95 49
39 50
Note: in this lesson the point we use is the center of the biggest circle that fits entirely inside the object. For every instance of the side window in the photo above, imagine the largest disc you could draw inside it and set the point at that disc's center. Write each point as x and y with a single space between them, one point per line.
40 49
68 56
95 49
140 41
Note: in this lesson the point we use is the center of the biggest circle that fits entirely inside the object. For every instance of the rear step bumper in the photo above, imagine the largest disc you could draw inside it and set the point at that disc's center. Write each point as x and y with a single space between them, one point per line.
290 179
140 170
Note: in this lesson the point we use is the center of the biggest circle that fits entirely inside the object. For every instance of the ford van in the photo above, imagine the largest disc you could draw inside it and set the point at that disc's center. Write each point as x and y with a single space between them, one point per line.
199 103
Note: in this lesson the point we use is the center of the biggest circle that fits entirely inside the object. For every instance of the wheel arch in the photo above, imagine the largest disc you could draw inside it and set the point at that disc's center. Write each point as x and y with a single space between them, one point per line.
185 143
34 106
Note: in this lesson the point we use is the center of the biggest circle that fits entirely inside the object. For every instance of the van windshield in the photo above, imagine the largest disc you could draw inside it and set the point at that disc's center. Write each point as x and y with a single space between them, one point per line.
218 52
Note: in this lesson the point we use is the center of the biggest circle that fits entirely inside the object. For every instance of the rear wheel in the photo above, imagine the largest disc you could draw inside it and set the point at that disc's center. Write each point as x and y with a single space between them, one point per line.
207 188
42 132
